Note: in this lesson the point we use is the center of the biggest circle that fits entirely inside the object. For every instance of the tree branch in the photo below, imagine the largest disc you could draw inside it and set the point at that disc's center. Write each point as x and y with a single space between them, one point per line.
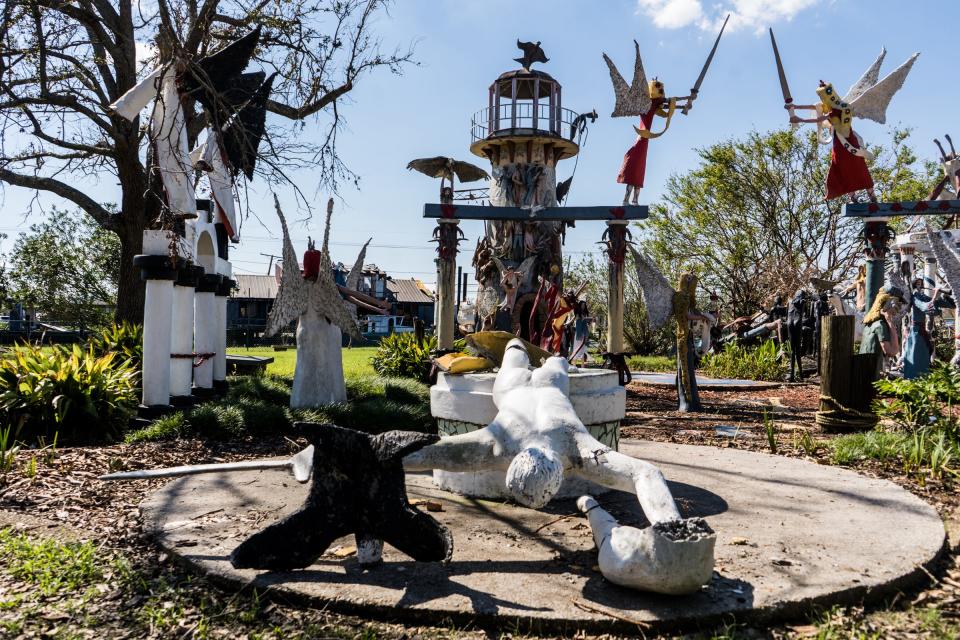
103 217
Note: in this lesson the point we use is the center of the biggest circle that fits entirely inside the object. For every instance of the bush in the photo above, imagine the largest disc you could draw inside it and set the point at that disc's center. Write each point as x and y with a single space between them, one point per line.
400 355
747 363
258 406
125 340
78 394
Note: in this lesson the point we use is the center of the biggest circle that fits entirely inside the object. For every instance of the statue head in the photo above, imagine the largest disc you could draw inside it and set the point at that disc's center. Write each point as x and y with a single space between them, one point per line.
688 285
656 89
534 477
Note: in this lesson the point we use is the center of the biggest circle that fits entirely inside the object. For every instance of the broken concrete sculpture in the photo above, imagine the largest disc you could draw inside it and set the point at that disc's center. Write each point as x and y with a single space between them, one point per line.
315 302
537 438
357 488
673 557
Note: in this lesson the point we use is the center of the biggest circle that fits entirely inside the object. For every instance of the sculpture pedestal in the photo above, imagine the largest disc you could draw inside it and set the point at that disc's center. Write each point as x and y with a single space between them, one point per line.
463 403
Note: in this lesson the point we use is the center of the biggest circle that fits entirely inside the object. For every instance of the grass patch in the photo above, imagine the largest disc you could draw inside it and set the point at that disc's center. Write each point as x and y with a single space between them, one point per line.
49 566
872 445
746 363
664 364
356 360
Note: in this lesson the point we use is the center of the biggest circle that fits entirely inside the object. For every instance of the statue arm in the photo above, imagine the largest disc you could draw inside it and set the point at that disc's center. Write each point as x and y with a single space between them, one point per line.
618 471
474 451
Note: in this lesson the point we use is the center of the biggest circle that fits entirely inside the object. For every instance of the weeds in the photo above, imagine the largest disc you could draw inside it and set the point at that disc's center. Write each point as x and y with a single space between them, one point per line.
750 363
49 566
770 427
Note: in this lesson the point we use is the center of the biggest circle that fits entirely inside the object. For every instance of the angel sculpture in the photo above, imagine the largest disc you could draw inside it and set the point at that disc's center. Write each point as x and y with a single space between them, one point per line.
235 102
662 302
322 315
445 168
646 100
867 98
880 325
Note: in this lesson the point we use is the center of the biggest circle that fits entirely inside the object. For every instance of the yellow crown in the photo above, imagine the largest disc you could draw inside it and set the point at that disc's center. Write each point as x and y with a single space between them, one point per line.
656 89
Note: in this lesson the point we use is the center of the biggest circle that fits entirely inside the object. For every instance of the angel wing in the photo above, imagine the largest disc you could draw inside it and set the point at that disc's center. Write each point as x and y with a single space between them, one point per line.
947 259
436 167
631 100
467 172
895 278
291 299
324 295
657 292
353 278
873 102
869 78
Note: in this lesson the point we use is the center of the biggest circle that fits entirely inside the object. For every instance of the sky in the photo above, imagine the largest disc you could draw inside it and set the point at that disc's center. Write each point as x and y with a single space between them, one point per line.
462 46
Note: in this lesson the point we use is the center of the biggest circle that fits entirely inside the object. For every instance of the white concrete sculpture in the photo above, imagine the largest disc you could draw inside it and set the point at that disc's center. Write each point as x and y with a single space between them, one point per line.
322 314
537 439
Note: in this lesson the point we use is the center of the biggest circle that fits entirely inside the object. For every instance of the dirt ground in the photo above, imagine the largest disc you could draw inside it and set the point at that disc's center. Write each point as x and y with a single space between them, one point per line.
63 499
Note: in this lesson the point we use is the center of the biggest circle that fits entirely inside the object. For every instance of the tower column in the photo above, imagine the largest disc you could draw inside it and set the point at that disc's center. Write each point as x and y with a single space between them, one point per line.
616 255
220 359
181 341
876 235
159 272
205 333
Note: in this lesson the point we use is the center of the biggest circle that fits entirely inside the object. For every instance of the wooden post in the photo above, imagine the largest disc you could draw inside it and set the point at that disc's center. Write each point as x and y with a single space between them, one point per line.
845 380
447 283
615 292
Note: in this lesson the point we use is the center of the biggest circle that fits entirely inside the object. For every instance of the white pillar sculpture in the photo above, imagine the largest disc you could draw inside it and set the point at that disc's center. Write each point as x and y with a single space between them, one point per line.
156 342
205 333
181 360
220 332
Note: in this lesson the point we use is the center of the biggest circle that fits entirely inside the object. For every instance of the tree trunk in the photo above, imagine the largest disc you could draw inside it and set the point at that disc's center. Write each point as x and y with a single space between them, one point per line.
130 288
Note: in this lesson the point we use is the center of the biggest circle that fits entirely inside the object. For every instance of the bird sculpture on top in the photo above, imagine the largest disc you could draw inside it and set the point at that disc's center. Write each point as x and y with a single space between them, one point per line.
445 168
531 53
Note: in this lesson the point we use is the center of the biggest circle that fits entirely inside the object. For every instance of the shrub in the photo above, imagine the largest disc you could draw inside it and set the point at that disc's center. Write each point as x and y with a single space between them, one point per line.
400 355
748 363
81 396
259 406
125 340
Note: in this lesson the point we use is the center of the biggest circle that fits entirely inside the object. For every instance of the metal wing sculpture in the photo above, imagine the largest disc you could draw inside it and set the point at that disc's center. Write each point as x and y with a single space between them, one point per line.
947 259
444 167
296 293
563 188
871 101
869 78
656 290
353 278
633 99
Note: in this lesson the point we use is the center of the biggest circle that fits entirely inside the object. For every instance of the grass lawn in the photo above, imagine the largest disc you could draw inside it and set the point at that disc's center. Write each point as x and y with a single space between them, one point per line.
356 360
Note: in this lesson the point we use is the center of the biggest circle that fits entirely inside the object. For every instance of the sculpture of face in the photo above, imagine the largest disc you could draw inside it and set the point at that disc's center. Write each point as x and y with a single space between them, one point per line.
534 477
656 89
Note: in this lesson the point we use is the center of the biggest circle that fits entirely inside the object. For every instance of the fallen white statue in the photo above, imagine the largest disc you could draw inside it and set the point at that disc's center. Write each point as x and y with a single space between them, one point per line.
538 438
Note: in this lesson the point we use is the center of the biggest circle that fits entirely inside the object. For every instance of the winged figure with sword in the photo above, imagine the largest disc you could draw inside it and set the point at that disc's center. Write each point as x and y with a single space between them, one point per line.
867 98
646 100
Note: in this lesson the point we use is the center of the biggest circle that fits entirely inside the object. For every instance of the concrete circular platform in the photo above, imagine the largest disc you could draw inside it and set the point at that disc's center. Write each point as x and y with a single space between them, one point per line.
704 383
790 535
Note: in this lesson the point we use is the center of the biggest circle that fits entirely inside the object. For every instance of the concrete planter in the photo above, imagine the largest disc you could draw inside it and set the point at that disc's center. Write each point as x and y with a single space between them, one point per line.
463 403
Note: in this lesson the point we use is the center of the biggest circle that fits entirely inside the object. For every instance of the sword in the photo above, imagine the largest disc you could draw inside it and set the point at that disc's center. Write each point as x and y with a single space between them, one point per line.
703 72
784 87
299 465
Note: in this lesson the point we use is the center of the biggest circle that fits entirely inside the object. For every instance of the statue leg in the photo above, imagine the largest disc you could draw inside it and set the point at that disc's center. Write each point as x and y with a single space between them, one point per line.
674 555
626 196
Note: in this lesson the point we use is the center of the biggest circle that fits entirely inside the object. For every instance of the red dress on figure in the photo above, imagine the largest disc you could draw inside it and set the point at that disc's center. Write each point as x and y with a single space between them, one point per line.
848 172
634 165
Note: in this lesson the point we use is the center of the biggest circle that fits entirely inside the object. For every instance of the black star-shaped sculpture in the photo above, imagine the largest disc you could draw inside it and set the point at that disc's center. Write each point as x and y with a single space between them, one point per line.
358 487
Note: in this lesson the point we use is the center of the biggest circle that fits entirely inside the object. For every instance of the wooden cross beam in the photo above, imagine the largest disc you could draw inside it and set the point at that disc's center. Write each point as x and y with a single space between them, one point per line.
907 208
561 214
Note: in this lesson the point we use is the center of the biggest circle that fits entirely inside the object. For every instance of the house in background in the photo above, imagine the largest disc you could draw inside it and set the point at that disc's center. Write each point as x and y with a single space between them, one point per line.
386 304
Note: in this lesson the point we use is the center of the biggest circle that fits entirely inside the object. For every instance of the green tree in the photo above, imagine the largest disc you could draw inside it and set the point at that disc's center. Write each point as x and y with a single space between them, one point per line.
639 338
67 268
751 219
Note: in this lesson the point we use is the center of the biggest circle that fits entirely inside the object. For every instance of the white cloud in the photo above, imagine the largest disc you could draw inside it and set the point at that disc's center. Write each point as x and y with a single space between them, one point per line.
672 14
754 15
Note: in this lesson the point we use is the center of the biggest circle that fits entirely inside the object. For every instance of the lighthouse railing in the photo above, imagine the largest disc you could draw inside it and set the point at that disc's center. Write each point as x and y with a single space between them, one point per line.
521 118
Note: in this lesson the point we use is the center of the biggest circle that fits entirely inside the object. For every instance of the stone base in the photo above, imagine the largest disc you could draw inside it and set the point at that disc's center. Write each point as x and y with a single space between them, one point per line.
204 393
183 402
153 411
792 536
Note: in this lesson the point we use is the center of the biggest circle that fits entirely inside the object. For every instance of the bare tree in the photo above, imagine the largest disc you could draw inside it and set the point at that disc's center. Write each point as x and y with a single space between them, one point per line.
63 62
